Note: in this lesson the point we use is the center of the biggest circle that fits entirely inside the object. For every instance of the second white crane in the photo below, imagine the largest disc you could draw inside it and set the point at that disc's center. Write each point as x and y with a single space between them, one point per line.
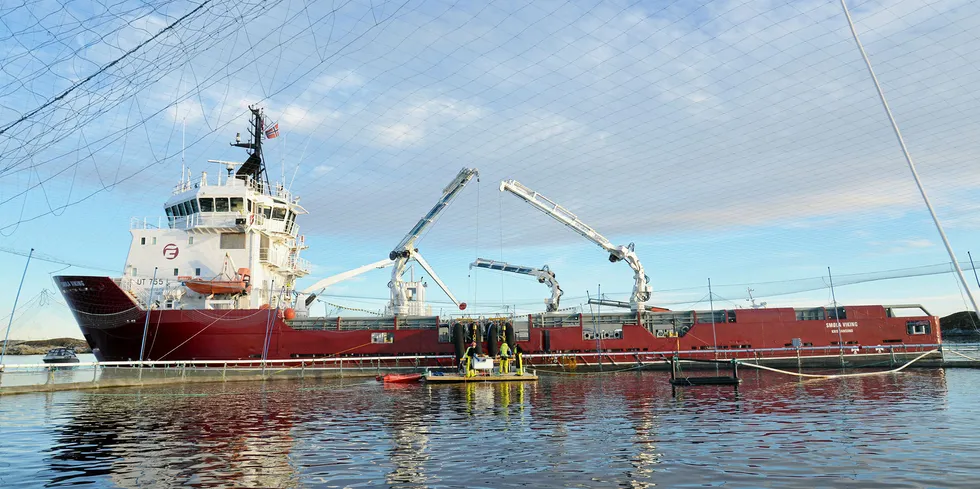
405 295
543 274
641 283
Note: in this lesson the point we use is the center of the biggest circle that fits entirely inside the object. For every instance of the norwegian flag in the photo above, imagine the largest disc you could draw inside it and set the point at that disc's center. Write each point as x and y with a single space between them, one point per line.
272 132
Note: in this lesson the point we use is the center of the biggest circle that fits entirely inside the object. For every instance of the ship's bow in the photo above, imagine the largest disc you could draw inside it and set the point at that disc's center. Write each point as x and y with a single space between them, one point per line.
108 317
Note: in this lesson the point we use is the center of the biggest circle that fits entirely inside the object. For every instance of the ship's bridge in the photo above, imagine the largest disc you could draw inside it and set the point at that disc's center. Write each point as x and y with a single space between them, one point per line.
232 204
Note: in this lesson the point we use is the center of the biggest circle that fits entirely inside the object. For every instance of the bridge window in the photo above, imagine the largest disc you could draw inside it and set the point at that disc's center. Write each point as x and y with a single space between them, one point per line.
170 211
179 210
207 204
220 204
194 207
278 213
267 212
187 208
237 204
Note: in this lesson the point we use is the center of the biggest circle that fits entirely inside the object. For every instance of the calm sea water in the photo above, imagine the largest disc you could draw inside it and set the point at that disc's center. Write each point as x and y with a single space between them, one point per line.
916 429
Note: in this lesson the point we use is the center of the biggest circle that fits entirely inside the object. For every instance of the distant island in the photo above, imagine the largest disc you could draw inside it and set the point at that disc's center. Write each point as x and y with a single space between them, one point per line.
960 326
40 347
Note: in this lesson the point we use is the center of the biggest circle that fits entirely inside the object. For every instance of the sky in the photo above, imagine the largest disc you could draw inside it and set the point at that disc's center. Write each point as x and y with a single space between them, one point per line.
737 141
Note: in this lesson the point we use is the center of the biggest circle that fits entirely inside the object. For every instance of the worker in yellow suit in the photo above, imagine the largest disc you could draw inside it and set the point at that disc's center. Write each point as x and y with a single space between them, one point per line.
468 360
504 358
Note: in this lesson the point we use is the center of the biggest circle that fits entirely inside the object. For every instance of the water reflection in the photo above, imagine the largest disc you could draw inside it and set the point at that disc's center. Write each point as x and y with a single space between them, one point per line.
407 428
153 438
624 430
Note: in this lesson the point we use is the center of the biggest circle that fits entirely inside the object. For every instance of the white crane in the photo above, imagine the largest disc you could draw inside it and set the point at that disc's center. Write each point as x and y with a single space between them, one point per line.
302 307
641 285
543 274
404 294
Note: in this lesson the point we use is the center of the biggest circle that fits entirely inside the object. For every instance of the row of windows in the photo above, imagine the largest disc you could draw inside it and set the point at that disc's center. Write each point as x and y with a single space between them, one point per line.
208 204
228 204
821 314
812 314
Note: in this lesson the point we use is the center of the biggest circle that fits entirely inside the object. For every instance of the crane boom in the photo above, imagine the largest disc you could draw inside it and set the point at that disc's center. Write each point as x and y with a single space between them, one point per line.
302 307
641 286
340 277
406 251
543 274
448 194
557 212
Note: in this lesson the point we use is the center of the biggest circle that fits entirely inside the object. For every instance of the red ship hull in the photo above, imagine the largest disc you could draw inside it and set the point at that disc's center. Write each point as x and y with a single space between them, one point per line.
113 324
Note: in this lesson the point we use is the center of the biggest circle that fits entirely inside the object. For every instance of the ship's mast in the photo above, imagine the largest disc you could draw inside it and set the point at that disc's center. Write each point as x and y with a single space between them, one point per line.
254 166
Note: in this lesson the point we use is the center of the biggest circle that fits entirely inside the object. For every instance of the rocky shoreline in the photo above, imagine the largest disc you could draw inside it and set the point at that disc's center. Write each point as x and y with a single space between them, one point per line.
40 347
960 327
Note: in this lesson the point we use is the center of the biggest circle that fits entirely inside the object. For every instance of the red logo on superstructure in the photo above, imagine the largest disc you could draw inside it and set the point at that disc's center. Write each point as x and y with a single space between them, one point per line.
170 251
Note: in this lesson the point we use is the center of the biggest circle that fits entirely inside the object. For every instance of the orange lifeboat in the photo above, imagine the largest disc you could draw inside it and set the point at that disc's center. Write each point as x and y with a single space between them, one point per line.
239 284
208 286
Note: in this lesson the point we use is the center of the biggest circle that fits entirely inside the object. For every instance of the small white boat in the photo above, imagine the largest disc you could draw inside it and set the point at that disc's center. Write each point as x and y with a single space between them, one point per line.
61 355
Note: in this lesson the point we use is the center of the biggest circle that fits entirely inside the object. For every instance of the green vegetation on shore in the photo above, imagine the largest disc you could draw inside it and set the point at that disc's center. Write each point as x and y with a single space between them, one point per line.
40 347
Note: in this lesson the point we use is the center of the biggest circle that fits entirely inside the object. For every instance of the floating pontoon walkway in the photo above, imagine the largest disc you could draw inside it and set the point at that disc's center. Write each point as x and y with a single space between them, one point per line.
458 379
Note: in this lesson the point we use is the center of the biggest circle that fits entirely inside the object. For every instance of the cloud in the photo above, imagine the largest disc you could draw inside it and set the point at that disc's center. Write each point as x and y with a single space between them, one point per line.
339 81
410 122
918 243
654 122
902 246
320 170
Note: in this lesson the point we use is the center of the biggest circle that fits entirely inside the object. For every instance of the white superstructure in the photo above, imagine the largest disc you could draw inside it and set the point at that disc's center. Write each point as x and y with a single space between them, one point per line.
236 236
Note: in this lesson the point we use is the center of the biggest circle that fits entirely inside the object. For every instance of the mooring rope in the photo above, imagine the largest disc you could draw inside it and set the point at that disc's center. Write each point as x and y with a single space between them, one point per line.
964 356
834 376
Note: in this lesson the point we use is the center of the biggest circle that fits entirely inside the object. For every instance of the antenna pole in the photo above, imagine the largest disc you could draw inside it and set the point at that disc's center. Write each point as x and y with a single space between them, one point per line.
149 307
183 139
908 159
14 310
711 301
974 267
270 320
840 335
598 328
